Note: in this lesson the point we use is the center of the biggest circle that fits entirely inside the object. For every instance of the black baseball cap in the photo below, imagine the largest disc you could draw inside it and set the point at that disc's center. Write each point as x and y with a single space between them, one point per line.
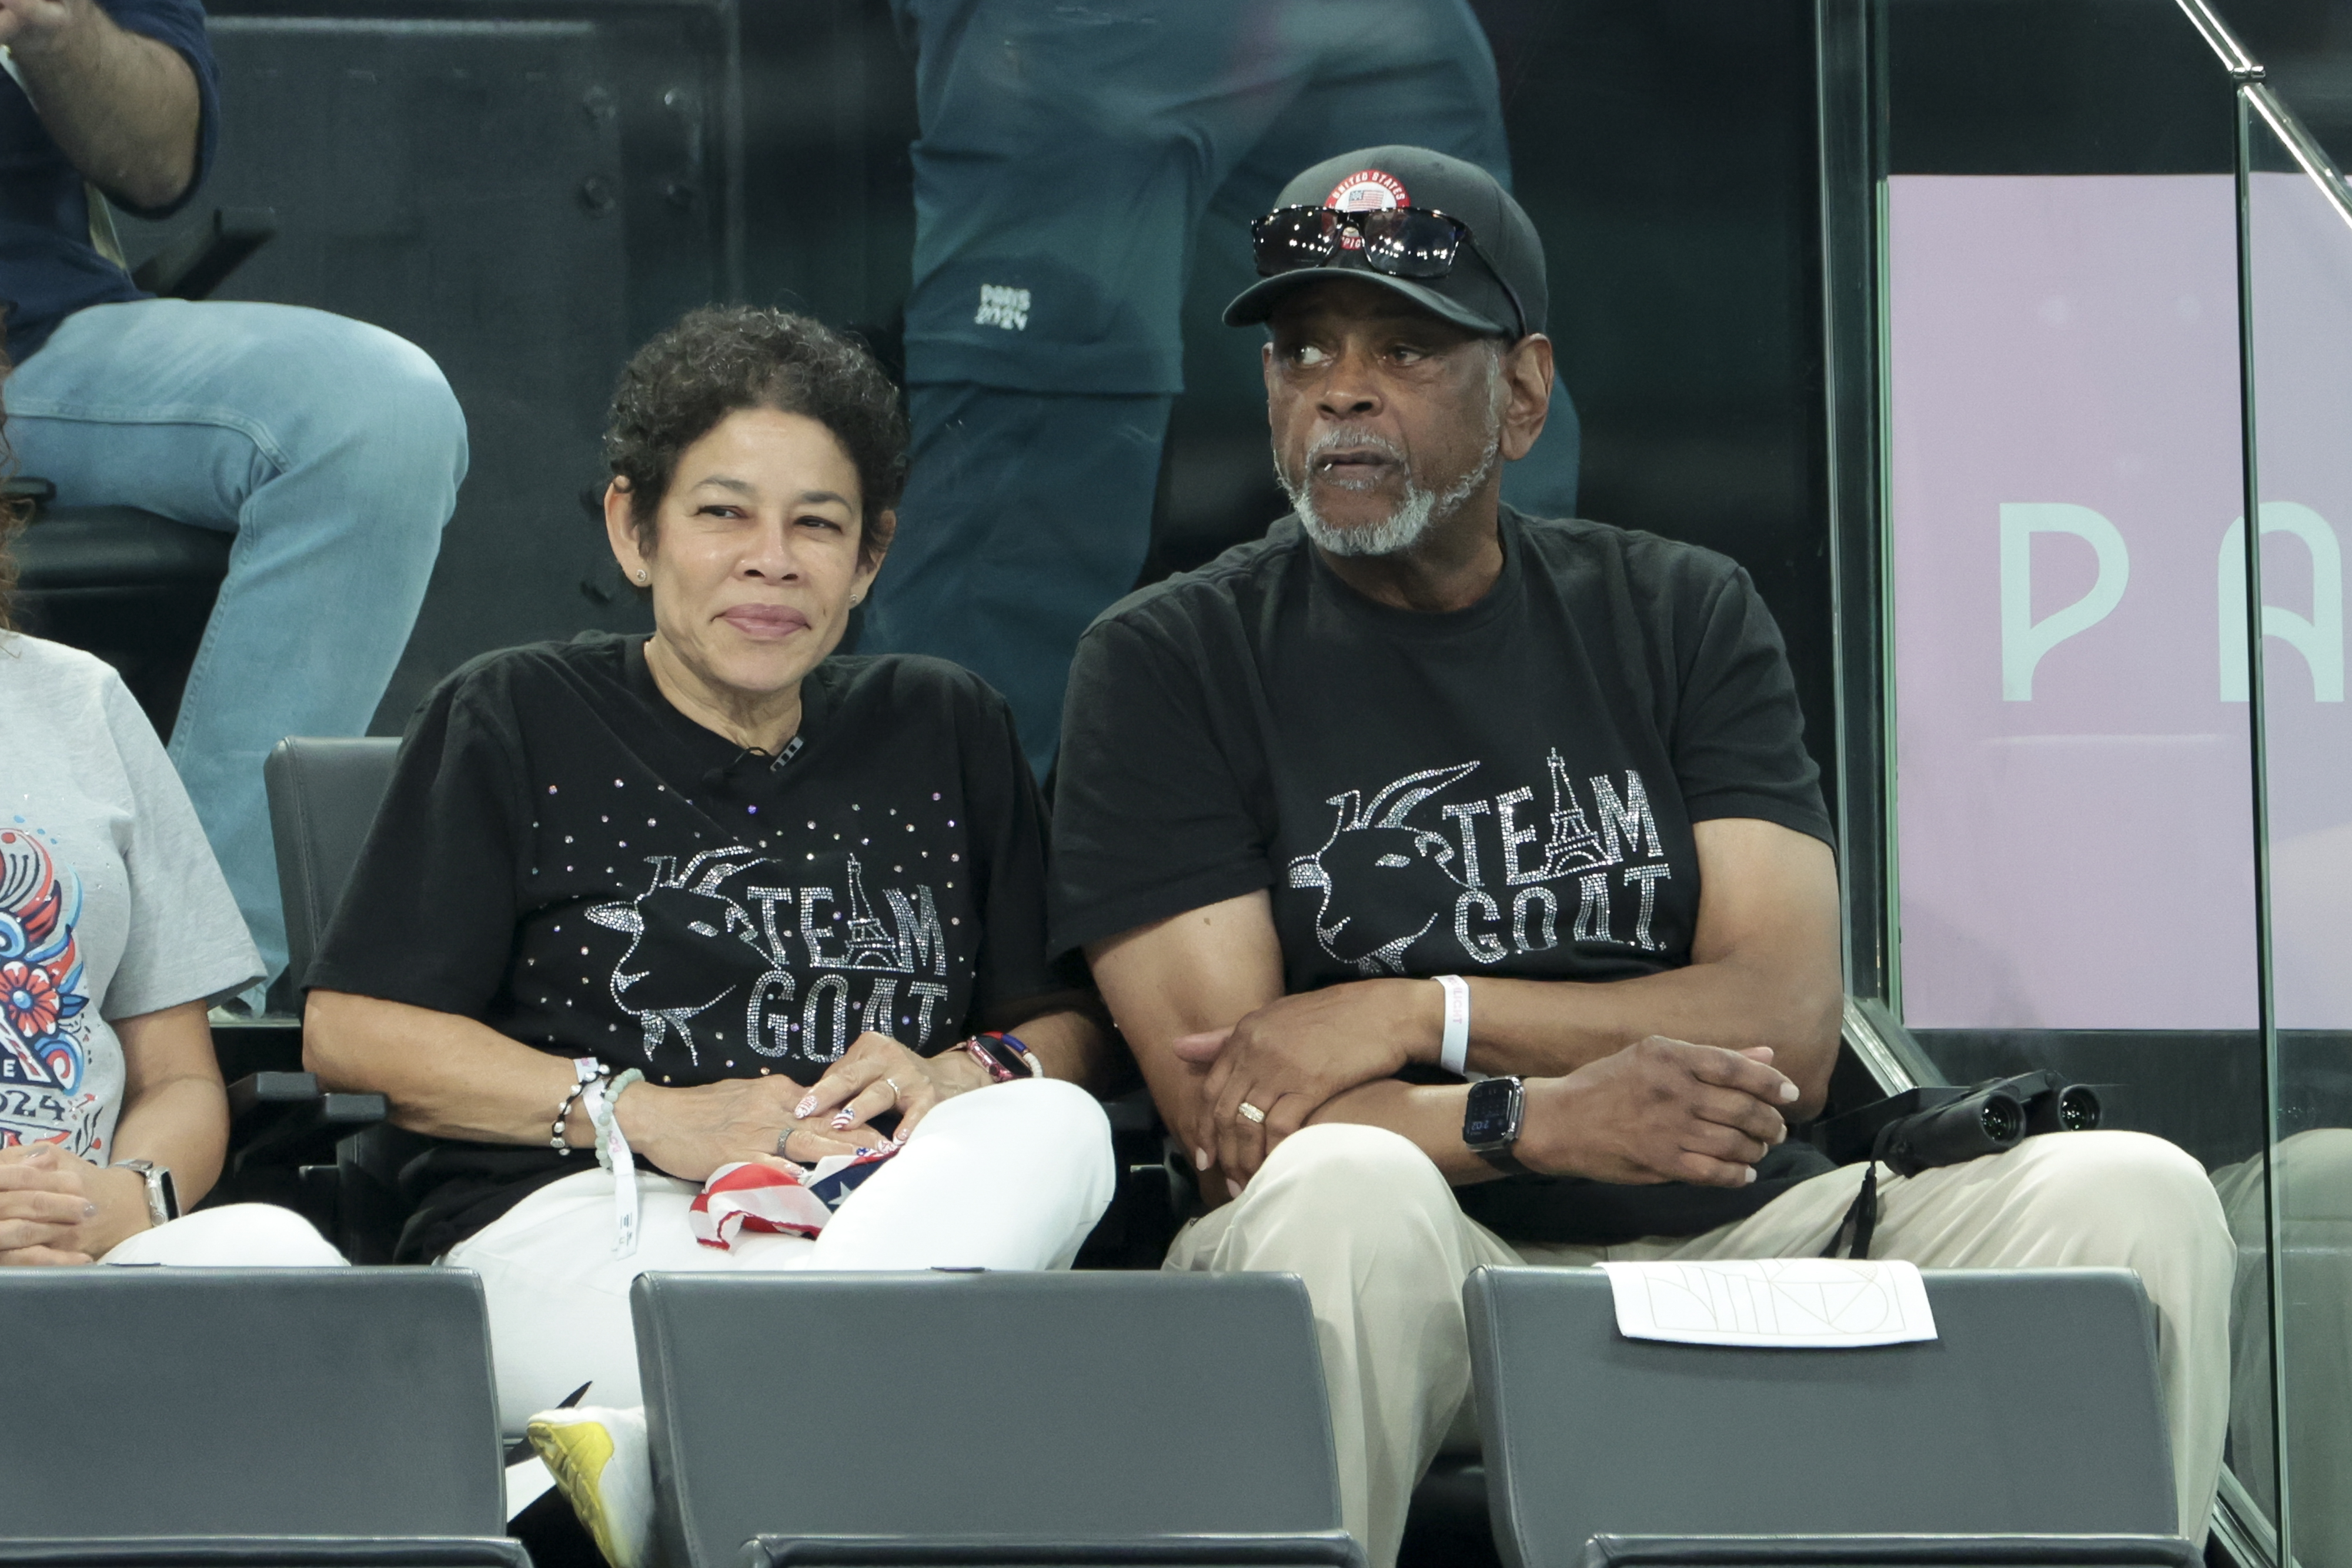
1503 258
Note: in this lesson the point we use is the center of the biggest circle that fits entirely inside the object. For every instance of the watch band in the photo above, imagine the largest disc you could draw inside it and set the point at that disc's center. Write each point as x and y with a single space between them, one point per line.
1454 1050
1503 1160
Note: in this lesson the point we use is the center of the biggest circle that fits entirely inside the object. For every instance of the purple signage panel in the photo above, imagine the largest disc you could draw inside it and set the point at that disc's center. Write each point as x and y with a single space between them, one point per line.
2074 783
2301 251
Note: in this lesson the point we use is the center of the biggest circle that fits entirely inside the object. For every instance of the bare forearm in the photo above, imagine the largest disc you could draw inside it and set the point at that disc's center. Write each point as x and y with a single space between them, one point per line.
182 1124
443 1076
124 107
1551 1028
1430 1116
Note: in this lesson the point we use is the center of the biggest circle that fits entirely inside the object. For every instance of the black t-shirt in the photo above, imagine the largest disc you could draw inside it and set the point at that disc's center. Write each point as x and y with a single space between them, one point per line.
567 858
1505 790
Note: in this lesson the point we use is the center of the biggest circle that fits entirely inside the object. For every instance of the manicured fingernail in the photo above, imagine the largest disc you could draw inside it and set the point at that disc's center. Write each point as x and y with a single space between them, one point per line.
1748 1175
1200 1160
1788 1092
1233 1186
89 1211
805 1106
841 1122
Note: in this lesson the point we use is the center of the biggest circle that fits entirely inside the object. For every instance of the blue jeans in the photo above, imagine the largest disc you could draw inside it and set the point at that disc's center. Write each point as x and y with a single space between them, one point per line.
331 449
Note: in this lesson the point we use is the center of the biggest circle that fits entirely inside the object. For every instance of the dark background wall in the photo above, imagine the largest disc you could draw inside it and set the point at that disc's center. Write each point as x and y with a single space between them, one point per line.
528 188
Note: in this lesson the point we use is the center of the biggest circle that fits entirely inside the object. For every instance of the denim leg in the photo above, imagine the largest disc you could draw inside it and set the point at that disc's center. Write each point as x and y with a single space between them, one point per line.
332 449
1026 515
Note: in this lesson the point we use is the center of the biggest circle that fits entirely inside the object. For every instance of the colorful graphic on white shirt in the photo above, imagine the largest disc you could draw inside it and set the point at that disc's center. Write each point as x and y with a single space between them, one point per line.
1407 865
45 1044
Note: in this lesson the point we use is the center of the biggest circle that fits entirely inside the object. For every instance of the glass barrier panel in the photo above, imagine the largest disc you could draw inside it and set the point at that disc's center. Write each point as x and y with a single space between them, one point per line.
2298 228
2072 800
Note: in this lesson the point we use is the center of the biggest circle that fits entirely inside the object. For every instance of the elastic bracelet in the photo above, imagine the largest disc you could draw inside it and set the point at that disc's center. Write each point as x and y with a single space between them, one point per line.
1029 1058
1454 1050
589 1070
604 1113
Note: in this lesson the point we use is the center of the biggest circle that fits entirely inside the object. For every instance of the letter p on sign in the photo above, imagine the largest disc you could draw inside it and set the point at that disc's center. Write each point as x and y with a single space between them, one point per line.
2023 640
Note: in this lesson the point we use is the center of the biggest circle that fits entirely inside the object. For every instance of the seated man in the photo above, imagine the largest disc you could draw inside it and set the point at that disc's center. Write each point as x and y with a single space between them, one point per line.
331 449
1413 736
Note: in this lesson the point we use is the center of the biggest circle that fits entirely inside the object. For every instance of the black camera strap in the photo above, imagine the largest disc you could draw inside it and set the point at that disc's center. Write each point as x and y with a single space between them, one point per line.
1862 1216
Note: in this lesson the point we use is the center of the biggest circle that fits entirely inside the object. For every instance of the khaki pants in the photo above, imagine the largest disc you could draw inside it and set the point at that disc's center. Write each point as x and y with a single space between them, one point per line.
2314 1174
1364 1218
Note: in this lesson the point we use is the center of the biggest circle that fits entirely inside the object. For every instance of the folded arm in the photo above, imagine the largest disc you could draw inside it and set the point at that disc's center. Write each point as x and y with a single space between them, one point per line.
1199 998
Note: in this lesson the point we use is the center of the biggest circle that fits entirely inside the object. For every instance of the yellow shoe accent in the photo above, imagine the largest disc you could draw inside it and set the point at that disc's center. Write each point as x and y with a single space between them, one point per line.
575 1454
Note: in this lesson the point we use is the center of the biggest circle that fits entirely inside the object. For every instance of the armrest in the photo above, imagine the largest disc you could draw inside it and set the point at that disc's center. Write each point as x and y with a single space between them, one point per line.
1897 1550
267 1551
1323 1549
285 1118
200 261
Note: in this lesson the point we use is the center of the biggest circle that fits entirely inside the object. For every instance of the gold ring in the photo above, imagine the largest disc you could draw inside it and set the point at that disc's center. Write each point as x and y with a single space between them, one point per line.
1251 1111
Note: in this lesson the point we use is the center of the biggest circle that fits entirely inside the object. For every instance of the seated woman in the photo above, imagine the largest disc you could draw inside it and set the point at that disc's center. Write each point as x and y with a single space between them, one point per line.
116 932
737 901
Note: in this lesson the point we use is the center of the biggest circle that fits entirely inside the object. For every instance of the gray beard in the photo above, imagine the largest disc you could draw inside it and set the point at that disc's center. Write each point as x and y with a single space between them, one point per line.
1415 515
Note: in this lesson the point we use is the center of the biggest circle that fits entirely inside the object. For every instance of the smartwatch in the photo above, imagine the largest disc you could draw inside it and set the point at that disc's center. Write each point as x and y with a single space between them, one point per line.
1490 1123
162 1198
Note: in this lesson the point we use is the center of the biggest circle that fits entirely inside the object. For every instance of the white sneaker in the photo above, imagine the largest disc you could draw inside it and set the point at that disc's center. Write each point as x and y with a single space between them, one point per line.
604 1466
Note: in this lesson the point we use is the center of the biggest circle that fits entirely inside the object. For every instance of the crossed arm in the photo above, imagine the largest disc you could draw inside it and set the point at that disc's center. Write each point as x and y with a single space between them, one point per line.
122 105
1687 1075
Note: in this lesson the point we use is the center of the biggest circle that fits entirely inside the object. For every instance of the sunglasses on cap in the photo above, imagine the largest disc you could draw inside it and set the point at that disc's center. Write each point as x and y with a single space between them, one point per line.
1399 242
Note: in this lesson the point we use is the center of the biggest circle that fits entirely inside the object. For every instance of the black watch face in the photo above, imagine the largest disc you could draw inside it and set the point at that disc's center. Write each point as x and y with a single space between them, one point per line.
1492 1119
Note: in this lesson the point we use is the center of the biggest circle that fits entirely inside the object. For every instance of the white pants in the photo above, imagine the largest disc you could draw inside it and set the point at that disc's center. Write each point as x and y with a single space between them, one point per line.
234 1236
1365 1218
1011 1177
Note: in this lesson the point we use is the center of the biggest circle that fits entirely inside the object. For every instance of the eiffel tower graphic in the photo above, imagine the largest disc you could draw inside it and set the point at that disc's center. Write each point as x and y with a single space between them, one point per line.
1573 845
871 946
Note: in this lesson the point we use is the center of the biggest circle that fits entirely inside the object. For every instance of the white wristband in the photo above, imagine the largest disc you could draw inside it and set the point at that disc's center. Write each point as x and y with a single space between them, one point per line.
1454 1051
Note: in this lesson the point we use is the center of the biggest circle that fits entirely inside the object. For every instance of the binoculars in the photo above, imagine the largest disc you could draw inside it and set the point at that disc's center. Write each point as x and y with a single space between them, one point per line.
1921 1129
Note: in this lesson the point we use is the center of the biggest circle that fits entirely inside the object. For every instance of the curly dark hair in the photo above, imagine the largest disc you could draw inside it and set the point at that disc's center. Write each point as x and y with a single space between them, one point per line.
720 358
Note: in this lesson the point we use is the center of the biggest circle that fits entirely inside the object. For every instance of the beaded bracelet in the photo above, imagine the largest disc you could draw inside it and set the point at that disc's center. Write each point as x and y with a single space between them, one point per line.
589 1070
604 1111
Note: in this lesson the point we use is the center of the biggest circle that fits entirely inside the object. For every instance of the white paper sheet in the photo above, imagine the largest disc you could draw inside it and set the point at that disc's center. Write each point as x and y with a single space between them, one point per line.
1800 1304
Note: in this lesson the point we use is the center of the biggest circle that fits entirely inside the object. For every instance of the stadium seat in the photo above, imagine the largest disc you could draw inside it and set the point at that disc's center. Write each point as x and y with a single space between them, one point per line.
323 795
2029 1431
972 1418
334 1418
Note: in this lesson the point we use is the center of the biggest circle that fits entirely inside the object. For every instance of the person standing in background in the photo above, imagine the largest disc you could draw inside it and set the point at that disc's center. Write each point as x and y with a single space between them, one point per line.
1066 162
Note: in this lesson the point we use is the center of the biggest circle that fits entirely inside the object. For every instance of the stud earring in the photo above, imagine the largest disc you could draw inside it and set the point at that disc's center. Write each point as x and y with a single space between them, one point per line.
641 574
854 598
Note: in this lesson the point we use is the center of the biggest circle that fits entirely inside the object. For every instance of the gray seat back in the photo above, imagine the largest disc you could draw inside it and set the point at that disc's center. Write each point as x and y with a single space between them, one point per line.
2036 1410
244 1401
324 795
1052 1406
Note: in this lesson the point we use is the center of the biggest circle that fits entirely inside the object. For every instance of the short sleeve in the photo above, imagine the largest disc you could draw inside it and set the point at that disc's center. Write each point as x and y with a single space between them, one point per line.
1151 807
179 24
1008 832
429 916
1738 735
184 941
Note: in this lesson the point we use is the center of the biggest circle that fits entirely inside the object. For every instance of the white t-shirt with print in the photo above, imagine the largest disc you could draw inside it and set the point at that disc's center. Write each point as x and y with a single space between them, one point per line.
112 904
